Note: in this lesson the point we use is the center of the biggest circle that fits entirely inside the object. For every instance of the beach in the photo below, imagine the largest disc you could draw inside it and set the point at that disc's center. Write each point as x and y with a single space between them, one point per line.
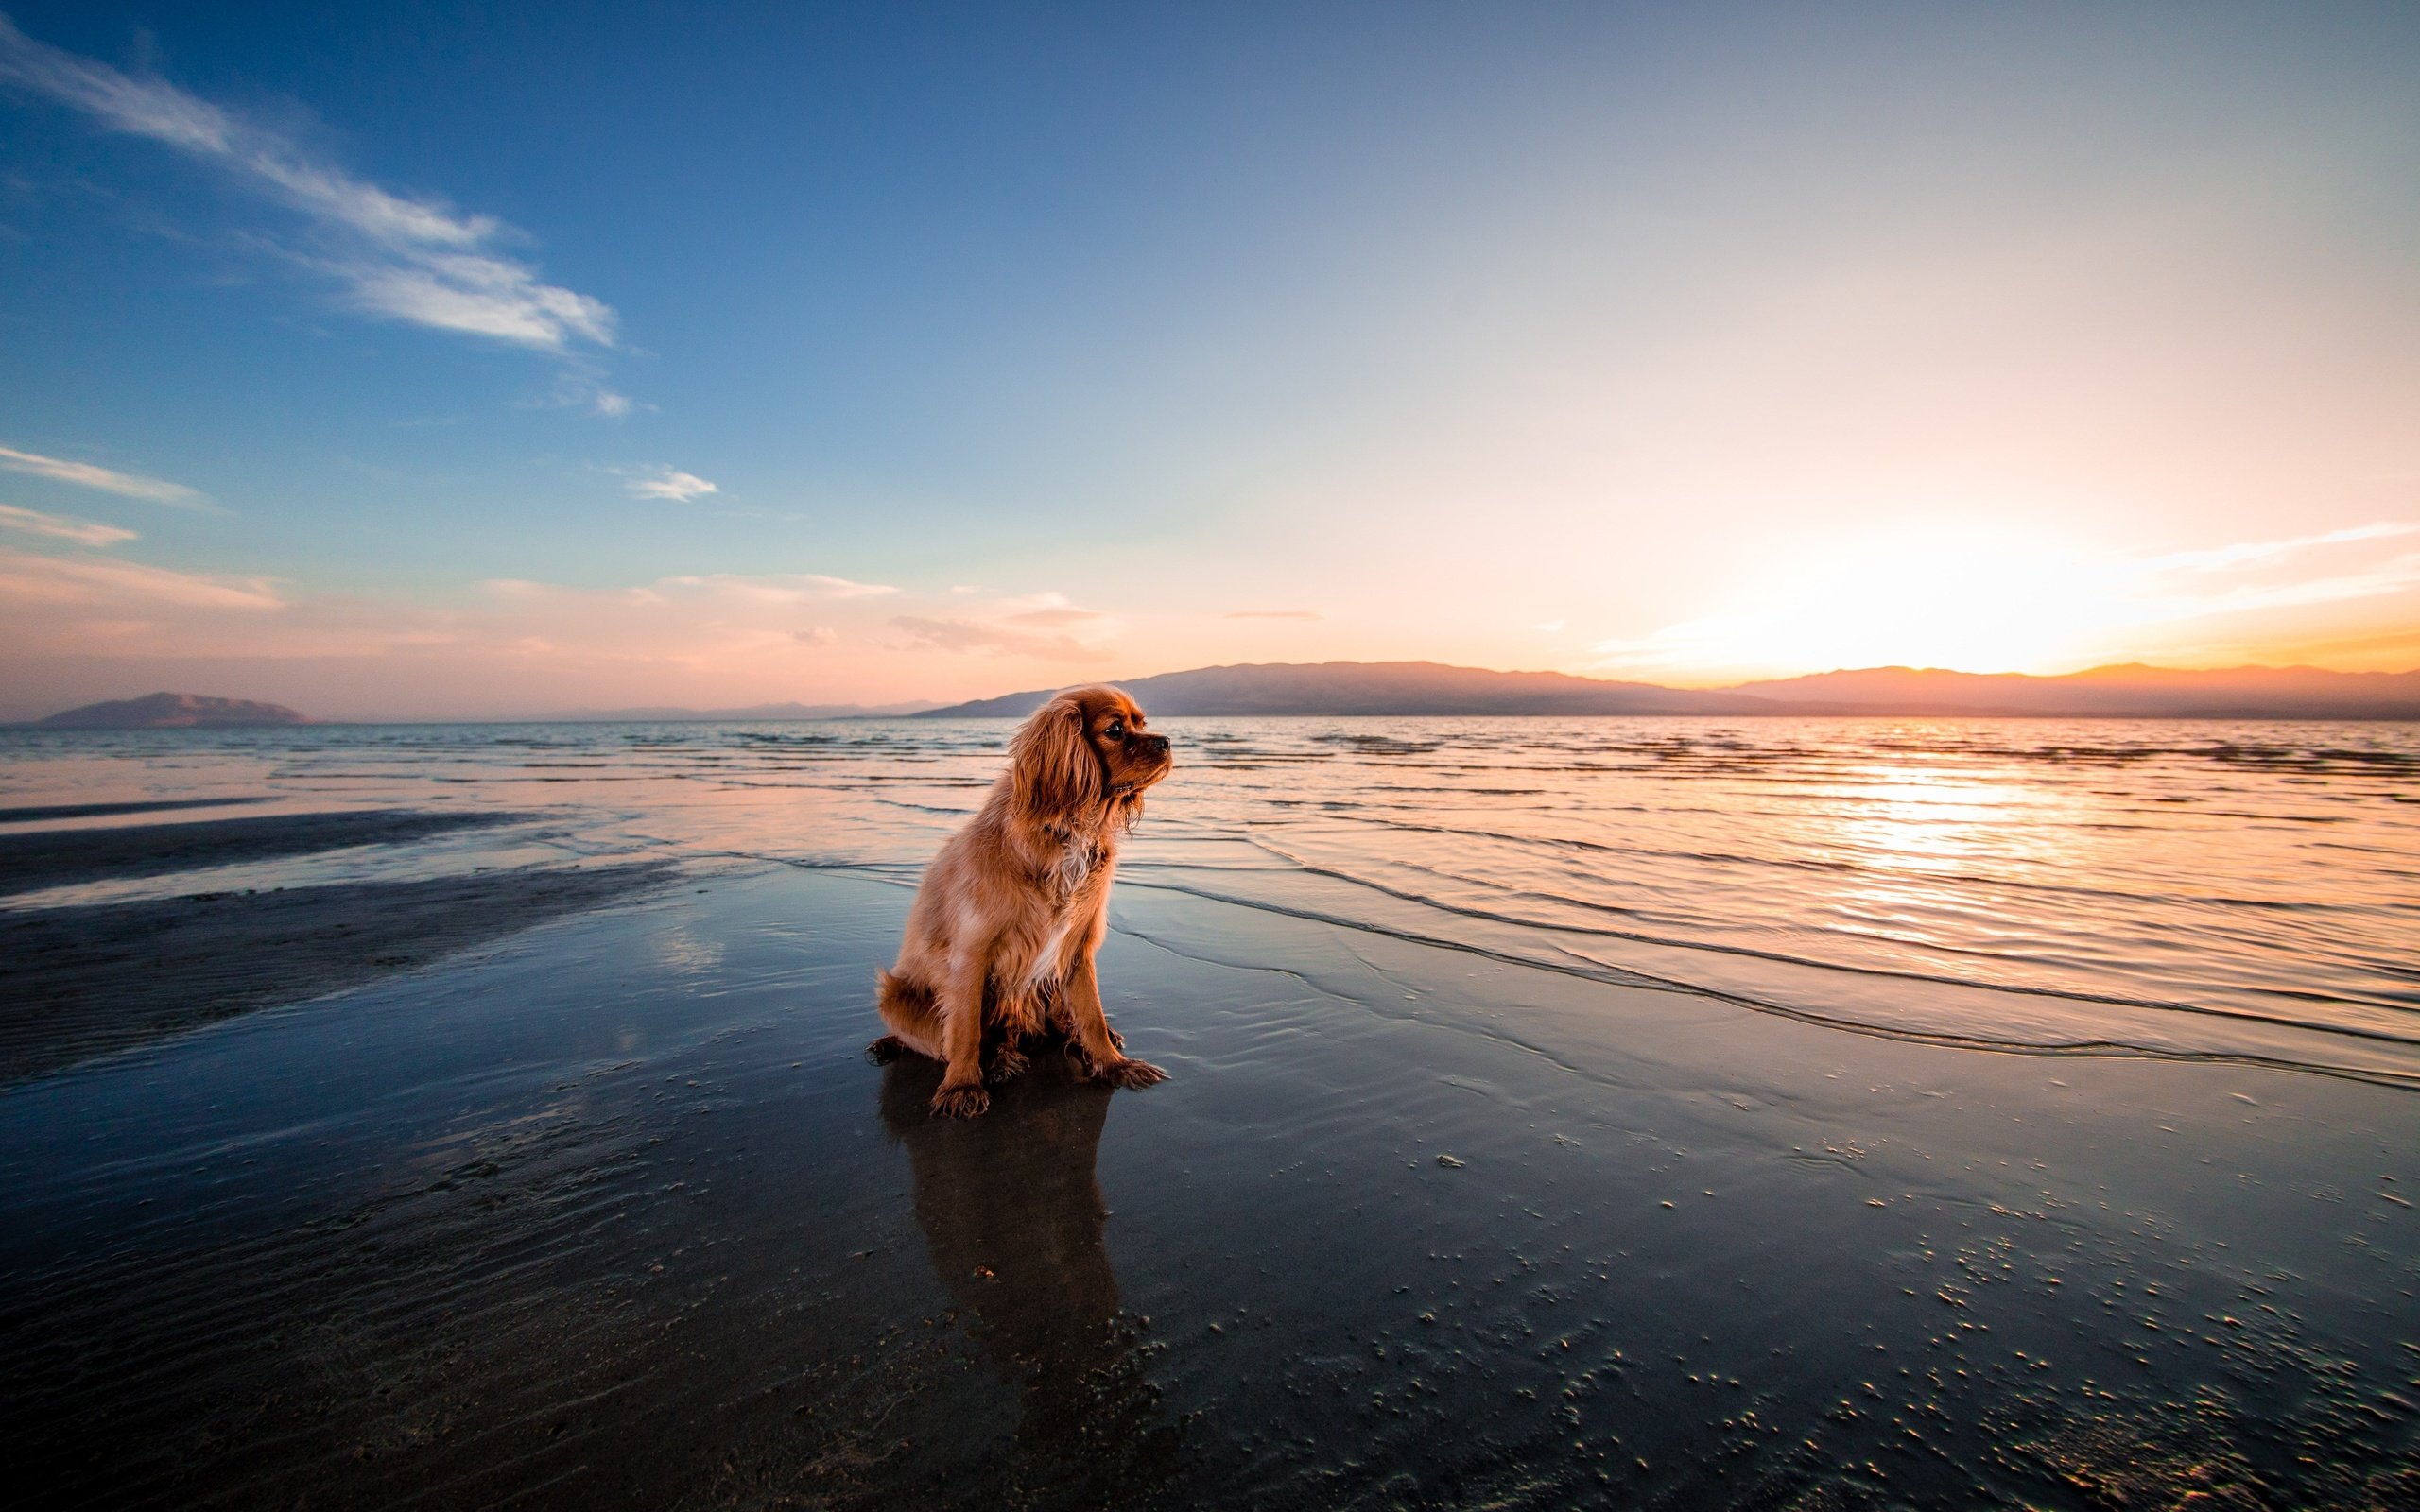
1725 704
600 1203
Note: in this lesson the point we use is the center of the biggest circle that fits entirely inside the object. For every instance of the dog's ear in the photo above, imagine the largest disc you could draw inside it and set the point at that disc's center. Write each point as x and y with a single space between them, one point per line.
1052 766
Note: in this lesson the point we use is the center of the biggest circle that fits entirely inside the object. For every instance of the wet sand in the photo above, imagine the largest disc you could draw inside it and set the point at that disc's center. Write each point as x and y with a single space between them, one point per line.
79 982
615 1213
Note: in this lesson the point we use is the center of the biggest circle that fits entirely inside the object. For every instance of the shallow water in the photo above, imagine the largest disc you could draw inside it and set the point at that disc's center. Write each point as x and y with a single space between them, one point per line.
2247 890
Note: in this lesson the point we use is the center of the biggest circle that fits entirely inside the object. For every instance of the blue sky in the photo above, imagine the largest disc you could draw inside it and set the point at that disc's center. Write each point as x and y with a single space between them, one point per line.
1028 344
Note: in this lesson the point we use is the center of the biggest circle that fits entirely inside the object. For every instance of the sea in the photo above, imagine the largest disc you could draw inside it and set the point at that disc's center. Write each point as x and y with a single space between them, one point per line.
2244 891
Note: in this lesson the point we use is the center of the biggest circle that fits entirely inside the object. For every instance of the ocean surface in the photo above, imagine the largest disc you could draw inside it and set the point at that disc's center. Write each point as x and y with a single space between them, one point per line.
2194 889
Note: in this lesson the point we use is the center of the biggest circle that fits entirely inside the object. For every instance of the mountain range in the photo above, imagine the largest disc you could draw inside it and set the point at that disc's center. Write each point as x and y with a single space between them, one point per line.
1429 688
1413 688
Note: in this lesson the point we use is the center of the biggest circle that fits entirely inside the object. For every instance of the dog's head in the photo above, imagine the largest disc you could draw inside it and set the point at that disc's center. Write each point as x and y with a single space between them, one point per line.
1083 753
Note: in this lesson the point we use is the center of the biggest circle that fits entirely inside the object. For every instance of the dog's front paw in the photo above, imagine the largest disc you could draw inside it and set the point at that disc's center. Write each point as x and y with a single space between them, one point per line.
1007 1066
1133 1074
885 1050
961 1102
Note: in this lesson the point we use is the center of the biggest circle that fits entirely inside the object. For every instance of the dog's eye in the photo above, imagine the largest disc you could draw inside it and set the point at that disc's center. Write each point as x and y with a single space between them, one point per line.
1116 730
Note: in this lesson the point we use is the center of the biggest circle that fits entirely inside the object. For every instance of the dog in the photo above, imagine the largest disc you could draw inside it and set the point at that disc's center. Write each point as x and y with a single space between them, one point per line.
1001 939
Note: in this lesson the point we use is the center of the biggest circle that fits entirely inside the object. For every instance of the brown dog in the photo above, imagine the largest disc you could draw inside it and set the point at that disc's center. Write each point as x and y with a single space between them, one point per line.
1004 929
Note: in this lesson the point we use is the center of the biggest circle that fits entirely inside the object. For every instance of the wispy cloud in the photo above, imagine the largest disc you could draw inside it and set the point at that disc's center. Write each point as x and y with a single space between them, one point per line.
990 638
2251 575
401 257
31 578
62 527
787 588
1275 615
2252 553
582 385
1045 627
667 483
732 588
2393 575
1056 619
85 475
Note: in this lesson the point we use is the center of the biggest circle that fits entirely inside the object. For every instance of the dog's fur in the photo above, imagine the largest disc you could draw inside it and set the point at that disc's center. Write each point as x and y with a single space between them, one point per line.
1001 940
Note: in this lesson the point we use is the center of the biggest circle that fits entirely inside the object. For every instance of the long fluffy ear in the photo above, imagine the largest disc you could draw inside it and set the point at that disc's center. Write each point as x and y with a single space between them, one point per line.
1051 766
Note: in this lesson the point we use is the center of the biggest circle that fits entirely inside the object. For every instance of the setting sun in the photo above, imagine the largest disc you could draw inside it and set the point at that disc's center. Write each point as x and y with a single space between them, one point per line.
1972 599
1996 598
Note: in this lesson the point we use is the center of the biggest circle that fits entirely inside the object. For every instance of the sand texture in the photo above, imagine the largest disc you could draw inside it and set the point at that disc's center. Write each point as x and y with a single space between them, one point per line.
615 1214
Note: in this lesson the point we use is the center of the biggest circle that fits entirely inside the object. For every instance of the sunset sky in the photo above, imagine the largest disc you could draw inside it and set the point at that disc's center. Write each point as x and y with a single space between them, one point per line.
418 361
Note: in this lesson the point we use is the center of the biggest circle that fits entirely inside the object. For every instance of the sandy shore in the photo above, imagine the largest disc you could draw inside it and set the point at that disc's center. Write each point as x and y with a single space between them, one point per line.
615 1214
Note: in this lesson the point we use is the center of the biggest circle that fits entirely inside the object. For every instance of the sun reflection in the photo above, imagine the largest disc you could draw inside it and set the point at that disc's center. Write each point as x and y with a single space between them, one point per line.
1916 837
1909 819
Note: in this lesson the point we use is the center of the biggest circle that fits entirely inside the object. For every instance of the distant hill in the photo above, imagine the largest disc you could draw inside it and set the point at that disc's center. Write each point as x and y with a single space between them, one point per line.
753 711
1381 688
1429 688
172 710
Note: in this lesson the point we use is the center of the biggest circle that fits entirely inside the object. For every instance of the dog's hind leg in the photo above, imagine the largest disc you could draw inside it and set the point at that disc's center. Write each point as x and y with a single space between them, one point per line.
908 1012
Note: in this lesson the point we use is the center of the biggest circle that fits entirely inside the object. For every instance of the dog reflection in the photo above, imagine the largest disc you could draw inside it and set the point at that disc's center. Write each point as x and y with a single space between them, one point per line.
1013 1217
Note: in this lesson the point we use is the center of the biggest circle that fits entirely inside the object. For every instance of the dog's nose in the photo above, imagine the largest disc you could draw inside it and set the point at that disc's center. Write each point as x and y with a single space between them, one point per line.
1159 744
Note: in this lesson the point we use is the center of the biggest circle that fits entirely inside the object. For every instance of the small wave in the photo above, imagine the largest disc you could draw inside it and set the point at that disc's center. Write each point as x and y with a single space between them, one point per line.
1853 868
1586 967
1784 958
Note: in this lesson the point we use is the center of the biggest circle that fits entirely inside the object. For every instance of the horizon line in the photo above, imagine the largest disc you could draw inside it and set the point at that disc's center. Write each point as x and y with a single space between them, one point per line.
920 708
